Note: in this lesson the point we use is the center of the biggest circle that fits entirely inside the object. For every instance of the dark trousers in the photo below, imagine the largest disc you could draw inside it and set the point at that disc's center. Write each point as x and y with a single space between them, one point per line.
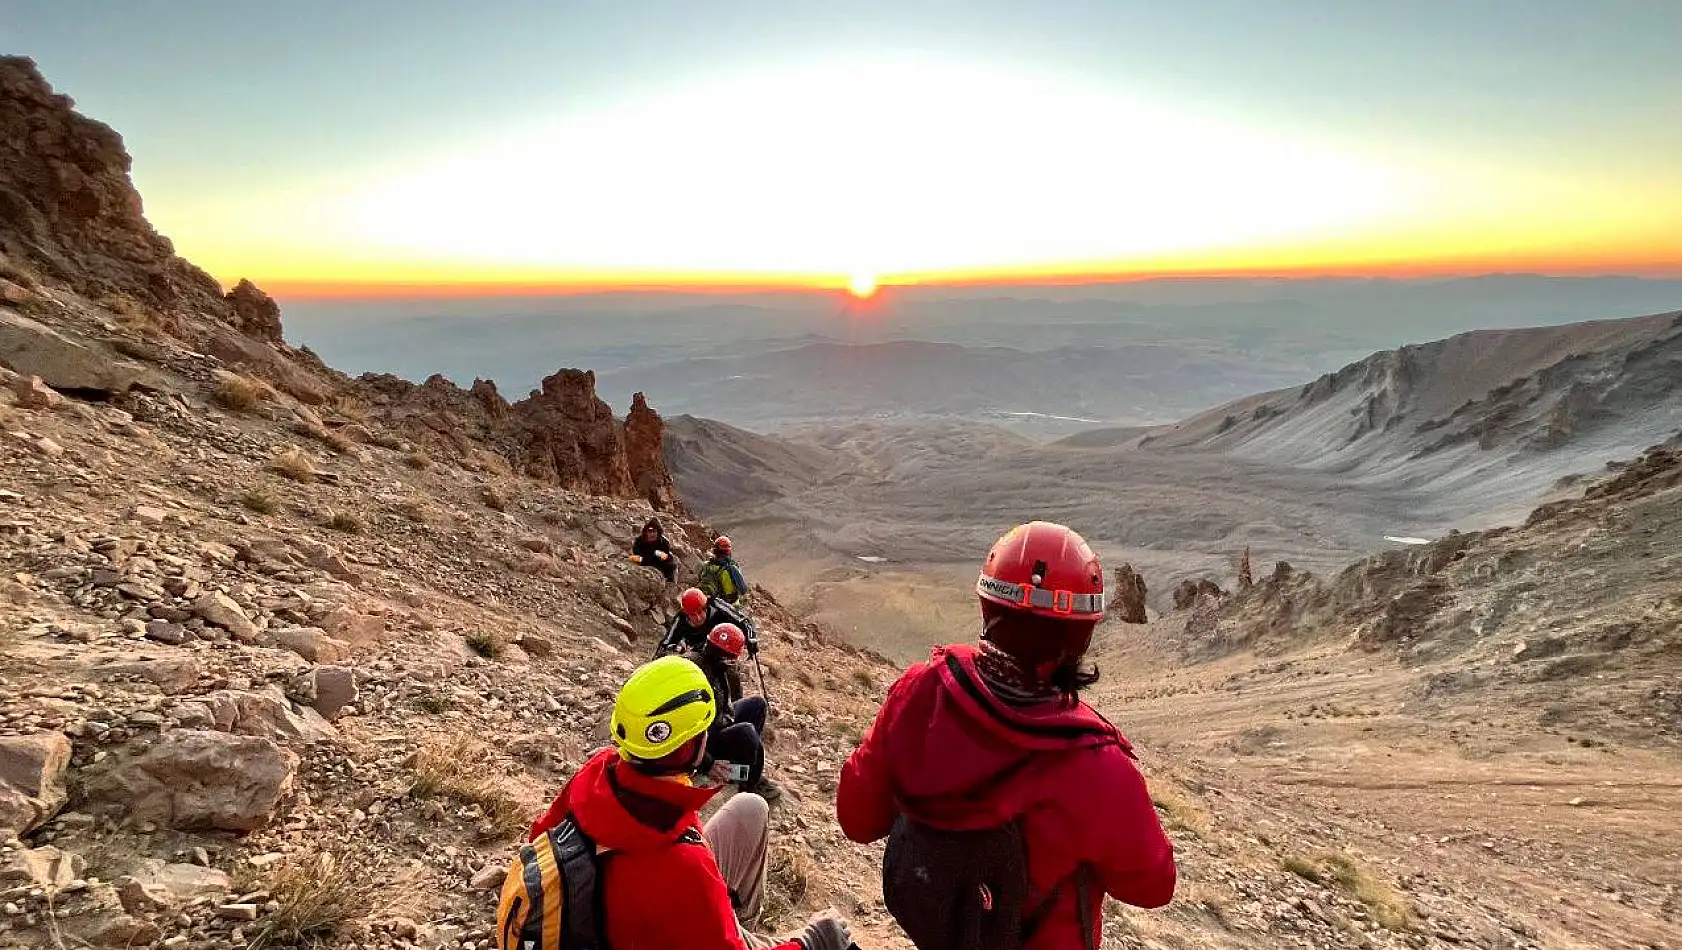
740 741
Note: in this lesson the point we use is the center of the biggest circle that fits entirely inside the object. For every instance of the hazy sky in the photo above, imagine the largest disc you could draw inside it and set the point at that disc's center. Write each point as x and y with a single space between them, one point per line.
314 142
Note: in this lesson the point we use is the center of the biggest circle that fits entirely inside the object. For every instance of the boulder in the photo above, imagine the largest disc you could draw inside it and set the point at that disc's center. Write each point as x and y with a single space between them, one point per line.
34 349
157 885
352 626
32 393
220 609
260 358
39 867
32 779
194 779
312 643
173 675
267 713
326 689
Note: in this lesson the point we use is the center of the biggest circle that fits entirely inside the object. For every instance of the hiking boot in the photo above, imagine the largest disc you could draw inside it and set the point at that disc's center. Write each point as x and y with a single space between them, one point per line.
766 789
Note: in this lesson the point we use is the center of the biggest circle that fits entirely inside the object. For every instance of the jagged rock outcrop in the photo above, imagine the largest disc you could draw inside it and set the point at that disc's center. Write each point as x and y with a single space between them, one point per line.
1246 577
562 434
645 455
1128 599
1190 592
68 209
255 313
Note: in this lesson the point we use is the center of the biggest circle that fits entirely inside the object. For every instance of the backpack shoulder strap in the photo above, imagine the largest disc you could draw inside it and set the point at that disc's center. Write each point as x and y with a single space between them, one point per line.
1083 906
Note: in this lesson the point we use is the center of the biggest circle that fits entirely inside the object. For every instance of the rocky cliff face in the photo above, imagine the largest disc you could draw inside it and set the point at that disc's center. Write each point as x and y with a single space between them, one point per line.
562 434
77 254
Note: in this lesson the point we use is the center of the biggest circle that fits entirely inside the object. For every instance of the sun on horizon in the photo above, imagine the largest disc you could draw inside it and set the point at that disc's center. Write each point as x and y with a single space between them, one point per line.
862 285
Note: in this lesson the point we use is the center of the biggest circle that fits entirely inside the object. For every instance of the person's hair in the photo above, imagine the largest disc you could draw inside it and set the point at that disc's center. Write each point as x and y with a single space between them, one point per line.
1048 649
655 524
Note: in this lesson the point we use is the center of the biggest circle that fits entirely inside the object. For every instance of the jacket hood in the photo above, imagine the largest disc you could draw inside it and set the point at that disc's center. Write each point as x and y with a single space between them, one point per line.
968 766
602 796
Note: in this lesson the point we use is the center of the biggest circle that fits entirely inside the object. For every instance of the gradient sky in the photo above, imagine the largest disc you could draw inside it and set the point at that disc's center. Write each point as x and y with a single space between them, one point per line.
318 143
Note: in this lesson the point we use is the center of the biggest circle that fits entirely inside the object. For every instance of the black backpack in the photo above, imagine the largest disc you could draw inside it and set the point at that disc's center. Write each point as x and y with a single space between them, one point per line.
968 890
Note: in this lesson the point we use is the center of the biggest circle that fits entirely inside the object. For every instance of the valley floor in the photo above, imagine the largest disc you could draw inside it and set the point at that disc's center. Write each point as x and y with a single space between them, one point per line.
1312 800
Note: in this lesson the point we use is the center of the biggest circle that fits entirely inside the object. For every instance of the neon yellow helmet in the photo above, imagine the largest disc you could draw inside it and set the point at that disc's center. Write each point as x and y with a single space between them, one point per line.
661 707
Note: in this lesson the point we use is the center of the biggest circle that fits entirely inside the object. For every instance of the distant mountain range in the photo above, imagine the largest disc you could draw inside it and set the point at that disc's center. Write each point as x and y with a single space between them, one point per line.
1126 353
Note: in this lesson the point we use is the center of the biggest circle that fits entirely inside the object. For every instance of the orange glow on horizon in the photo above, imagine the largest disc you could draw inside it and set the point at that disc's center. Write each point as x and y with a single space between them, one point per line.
1401 267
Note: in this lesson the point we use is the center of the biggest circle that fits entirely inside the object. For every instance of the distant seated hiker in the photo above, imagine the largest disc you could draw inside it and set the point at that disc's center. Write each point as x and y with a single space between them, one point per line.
736 738
1004 797
626 831
720 577
651 549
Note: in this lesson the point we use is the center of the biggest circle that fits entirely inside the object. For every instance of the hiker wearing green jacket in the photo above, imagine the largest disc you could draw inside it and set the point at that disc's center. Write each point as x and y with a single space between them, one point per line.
720 577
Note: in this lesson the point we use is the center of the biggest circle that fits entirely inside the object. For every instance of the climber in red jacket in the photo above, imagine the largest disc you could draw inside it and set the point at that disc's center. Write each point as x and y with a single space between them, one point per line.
995 736
666 881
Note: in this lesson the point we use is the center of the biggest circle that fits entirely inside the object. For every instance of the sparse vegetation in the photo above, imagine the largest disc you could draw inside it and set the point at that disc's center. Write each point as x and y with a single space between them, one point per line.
239 393
487 645
328 437
805 677
434 702
1180 813
317 896
493 498
347 521
460 769
418 460
864 679
350 407
295 465
1390 908
259 501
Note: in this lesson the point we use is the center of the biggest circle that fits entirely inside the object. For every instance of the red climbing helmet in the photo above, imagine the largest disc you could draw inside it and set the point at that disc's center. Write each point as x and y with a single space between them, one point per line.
693 601
1043 569
722 544
728 638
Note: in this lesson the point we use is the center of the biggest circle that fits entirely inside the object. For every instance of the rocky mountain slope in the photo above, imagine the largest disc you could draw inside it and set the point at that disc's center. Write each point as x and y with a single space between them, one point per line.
289 658
1480 419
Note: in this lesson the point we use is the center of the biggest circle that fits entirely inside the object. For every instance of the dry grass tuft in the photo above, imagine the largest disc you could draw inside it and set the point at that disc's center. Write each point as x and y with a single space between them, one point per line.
295 465
240 393
350 407
493 498
806 678
864 678
1390 908
788 881
328 437
461 769
1180 812
318 896
418 460
487 645
259 501
347 521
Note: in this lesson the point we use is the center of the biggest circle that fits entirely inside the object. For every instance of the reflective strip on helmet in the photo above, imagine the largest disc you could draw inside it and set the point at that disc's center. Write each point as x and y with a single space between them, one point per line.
1056 601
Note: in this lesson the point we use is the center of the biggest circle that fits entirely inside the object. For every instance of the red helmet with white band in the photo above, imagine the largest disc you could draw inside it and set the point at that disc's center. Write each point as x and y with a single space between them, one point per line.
1044 569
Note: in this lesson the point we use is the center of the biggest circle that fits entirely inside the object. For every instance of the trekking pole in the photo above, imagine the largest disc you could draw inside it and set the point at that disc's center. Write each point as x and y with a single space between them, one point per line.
761 669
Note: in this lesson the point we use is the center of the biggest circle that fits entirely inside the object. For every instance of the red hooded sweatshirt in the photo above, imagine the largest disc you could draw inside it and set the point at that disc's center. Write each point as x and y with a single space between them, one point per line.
944 751
658 893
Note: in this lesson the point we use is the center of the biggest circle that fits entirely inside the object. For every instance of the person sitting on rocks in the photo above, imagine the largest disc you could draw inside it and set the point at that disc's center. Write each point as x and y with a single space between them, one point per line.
737 734
651 549
721 577
697 615
669 881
